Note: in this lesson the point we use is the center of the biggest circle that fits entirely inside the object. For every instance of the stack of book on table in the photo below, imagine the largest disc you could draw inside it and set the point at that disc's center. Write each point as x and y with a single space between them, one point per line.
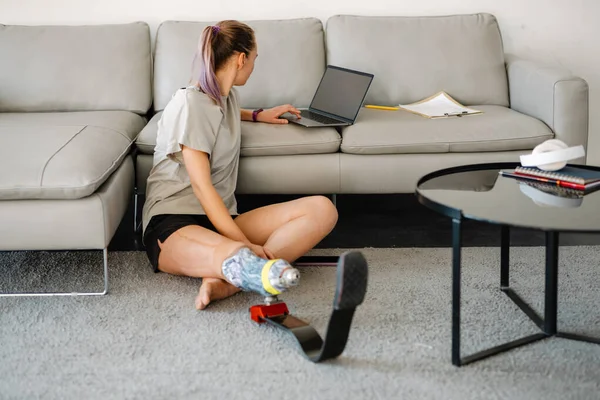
567 182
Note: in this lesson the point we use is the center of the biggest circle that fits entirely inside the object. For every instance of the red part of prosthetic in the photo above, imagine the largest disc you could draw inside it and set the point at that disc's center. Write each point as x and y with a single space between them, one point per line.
261 311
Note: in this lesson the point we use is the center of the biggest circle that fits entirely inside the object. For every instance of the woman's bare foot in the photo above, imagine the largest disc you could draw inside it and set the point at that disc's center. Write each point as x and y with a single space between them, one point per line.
213 289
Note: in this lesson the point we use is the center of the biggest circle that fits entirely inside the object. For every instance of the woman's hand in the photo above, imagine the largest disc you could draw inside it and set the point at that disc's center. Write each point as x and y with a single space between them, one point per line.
268 253
260 251
271 115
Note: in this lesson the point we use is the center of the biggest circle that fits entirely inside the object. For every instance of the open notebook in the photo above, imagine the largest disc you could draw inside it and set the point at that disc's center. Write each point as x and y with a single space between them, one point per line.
440 105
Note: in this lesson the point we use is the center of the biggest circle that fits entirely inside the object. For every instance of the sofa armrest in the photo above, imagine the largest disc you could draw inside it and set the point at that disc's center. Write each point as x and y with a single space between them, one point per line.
552 95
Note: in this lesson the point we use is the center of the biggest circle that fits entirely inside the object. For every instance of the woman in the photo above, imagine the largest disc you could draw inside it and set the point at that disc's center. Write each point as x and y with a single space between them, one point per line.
191 224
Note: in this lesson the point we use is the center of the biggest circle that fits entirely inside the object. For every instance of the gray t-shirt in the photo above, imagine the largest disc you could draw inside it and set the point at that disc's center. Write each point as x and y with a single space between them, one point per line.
192 119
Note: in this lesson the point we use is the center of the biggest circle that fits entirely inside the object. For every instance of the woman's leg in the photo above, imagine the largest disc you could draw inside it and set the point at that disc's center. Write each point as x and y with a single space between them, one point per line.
287 229
198 252
291 228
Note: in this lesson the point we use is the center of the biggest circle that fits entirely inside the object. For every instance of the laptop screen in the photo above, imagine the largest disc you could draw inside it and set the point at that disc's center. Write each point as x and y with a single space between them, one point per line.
341 92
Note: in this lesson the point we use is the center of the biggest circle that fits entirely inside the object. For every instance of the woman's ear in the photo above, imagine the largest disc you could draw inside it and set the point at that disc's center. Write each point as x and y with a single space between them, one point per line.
241 60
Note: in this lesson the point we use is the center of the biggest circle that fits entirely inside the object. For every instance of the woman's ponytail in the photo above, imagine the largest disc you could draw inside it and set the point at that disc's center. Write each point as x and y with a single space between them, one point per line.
216 45
207 79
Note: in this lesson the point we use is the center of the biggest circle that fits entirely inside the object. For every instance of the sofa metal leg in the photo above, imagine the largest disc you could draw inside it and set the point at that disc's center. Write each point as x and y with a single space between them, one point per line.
136 223
135 212
105 291
334 199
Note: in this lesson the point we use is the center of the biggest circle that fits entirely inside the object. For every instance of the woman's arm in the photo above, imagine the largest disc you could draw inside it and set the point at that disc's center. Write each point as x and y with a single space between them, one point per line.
197 164
246 115
271 116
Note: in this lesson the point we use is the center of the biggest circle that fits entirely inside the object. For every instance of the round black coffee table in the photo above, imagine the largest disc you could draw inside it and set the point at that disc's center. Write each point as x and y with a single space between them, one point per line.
479 192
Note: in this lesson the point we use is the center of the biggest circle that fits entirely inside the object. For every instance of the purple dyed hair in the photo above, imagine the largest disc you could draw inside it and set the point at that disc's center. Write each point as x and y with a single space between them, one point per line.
216 45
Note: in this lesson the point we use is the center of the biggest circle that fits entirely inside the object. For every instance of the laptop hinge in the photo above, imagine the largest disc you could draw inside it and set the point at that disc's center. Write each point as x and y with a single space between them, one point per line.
326 114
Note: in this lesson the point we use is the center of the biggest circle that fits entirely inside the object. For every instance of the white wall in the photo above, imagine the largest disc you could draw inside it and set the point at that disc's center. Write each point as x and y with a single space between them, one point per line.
562 32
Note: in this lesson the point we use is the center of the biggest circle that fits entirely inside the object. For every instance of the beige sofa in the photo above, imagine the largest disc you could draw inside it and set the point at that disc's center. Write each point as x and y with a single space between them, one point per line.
384 152
72 102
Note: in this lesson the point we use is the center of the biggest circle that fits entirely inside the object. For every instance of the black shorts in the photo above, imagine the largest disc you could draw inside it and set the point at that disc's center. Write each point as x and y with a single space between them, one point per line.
162 226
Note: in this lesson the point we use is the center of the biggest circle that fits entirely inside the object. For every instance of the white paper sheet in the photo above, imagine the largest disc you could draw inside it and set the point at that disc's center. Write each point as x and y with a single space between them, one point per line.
439 106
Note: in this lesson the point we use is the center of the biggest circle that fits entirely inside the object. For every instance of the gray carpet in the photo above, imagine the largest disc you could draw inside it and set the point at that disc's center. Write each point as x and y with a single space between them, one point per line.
145 340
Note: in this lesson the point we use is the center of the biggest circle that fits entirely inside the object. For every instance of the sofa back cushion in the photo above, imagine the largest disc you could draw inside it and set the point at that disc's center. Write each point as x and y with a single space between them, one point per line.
290 63
75 68
413 58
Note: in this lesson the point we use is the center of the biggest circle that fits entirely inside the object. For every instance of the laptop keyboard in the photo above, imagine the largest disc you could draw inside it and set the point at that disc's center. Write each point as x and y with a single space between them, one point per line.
318 117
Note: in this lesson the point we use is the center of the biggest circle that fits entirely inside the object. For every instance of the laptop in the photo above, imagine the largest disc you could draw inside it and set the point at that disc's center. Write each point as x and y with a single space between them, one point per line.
337 101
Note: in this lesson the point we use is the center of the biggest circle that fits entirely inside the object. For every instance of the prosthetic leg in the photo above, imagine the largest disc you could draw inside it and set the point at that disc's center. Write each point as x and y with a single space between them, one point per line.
351 286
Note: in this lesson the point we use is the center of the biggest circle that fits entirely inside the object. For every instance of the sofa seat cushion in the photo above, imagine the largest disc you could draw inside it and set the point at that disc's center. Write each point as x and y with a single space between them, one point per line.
399 132
62 155
288 139
260 139
146 140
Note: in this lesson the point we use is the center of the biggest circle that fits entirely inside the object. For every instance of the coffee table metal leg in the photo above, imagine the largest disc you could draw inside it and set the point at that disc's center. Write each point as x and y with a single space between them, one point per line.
551 307
457 360
456 253
551 294
578 338
504 257
504 279
548 324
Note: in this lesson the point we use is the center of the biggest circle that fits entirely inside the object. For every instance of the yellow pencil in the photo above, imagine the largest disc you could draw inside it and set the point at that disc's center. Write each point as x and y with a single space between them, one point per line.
382 107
